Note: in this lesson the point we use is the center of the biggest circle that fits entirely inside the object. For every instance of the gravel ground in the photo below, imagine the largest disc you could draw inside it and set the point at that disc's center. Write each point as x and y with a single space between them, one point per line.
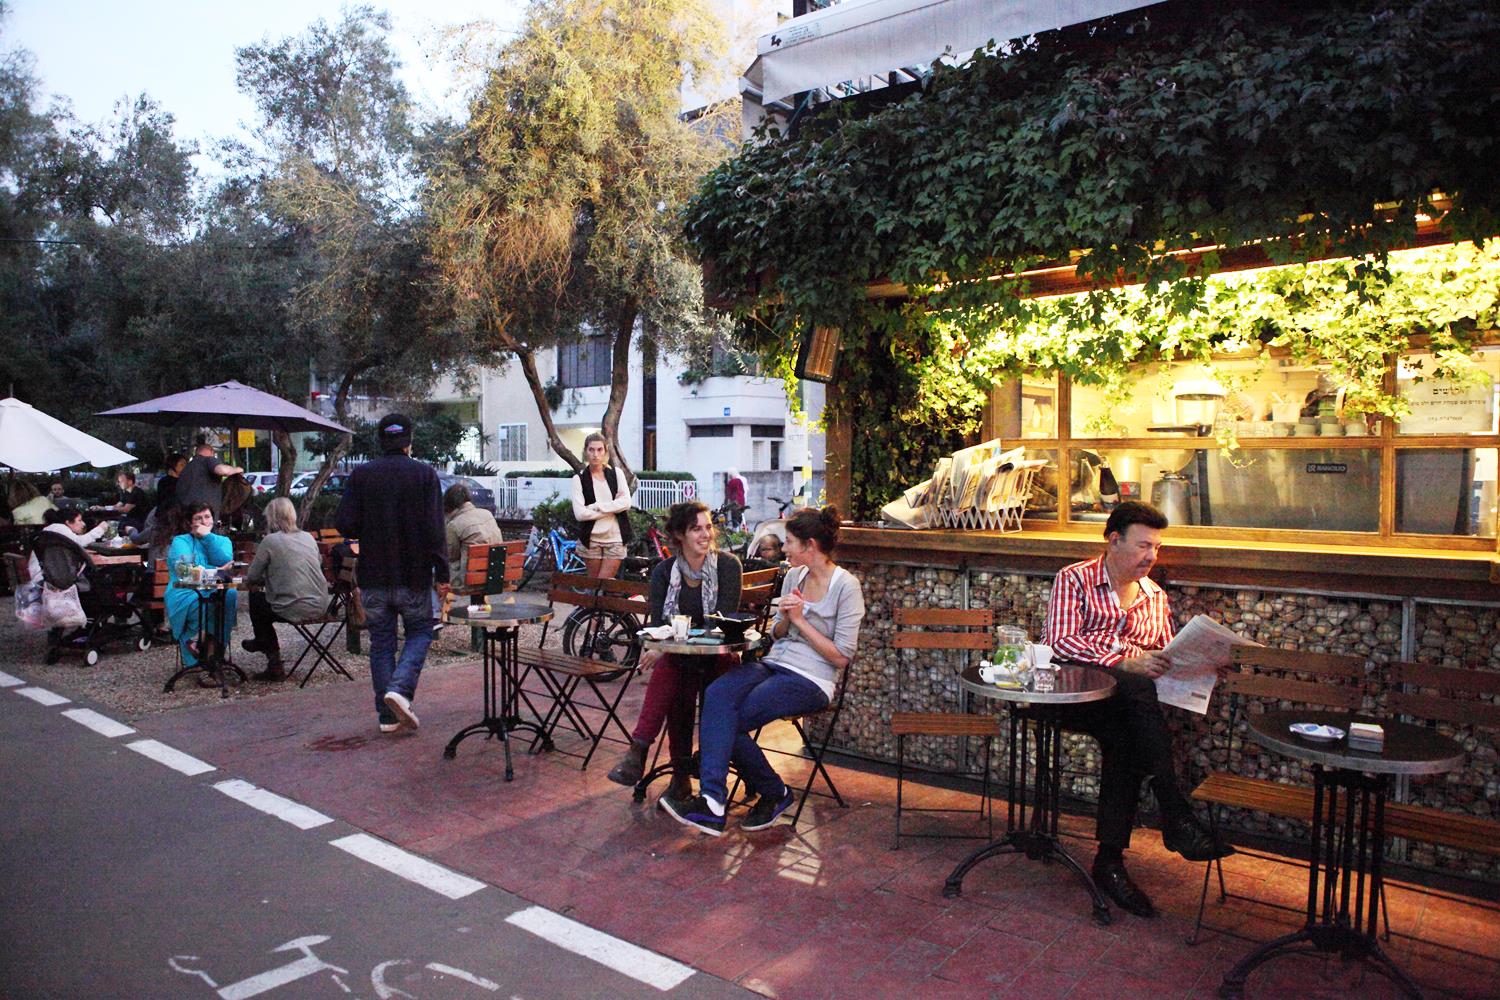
130 682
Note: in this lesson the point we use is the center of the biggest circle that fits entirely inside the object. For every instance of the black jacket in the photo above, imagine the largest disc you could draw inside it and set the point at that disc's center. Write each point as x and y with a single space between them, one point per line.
394 506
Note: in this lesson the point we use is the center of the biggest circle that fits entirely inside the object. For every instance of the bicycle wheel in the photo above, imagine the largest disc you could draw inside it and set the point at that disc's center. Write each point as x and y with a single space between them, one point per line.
540 560
612 636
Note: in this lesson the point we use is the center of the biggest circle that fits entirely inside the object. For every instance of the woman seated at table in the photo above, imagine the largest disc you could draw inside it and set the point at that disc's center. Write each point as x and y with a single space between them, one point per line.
699 577
816 629
68 522
197 545
288 563
27 505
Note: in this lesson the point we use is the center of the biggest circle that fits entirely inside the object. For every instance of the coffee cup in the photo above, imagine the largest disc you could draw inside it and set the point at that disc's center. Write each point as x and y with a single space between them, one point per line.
1330 428
680 626
1355 428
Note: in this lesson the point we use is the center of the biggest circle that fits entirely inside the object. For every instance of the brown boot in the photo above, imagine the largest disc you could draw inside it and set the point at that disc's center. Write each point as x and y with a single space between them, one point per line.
632 766
681 786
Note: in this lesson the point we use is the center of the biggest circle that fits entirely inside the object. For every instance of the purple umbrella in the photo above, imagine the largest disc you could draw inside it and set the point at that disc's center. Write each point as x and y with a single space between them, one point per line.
228 404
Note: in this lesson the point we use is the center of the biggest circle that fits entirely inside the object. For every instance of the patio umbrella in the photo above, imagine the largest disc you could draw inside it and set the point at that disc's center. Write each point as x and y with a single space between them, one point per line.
31 441
228 404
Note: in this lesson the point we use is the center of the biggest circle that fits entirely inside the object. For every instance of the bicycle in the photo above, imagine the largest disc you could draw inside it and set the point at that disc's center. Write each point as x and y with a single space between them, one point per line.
646 550
552 552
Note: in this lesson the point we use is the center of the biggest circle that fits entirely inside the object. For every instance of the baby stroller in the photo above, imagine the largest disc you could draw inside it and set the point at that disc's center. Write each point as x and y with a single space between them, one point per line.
111 596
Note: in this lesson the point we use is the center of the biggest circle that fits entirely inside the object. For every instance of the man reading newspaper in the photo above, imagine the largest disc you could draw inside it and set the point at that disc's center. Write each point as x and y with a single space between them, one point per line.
1106 612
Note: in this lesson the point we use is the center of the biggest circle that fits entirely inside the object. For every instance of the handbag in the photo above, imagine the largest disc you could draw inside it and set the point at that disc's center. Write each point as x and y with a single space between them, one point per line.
62 608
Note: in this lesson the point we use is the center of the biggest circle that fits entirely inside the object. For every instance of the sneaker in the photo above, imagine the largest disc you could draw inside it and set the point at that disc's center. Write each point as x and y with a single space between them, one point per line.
767 810
694 812
400 707
388 723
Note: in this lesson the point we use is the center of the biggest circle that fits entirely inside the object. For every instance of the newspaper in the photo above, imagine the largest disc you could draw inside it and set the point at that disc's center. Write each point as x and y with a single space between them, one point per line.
1197 652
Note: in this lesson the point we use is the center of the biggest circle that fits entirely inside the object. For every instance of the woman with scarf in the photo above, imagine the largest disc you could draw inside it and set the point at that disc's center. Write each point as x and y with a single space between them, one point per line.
699 579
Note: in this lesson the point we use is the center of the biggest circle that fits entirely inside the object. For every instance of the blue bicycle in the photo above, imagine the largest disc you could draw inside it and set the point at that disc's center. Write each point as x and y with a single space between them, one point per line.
552 552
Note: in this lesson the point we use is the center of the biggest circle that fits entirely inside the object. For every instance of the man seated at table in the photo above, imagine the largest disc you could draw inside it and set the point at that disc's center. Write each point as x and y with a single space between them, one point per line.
1106 612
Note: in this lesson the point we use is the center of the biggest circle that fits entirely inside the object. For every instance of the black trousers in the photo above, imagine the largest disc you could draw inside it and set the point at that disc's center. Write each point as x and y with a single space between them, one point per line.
263 621
1134 743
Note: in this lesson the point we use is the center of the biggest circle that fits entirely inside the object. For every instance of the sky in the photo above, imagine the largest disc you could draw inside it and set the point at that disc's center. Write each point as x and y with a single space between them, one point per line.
181 52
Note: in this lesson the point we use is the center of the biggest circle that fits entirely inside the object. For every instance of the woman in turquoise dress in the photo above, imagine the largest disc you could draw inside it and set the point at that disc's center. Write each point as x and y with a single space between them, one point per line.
199 546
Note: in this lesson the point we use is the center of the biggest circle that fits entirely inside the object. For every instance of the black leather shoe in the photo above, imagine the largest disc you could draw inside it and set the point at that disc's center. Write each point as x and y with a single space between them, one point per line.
1188 838
1116 883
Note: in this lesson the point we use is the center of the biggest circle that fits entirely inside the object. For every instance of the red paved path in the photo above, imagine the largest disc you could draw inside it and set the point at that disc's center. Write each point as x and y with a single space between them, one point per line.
827 910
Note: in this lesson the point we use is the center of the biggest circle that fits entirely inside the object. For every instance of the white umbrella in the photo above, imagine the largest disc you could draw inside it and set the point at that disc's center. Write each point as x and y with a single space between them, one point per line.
31 441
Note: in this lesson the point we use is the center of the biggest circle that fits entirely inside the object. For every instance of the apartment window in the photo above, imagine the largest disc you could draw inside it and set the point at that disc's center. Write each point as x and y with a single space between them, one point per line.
711 431
585 362
512 441
767 431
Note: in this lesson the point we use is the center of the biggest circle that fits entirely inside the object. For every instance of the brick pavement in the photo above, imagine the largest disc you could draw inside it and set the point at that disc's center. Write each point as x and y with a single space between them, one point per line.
826 910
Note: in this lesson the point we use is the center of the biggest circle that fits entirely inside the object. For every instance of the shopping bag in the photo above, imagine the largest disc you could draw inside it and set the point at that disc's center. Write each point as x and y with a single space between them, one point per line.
29 605
63 609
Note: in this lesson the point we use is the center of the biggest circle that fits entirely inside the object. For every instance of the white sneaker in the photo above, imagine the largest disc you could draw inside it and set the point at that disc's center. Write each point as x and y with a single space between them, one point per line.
401 705
390 727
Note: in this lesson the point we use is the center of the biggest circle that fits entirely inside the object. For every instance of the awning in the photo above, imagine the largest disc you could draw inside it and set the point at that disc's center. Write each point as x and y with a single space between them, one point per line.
858 39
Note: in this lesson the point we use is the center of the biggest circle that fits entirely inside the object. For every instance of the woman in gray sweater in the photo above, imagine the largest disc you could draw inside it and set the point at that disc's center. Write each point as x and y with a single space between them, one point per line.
816 629
288 563
698 580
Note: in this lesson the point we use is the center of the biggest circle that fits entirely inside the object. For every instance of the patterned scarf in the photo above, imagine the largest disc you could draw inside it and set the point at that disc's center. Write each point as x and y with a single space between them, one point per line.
709 575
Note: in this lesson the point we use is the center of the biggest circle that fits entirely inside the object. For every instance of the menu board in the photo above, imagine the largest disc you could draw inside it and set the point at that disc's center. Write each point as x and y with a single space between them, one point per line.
1441 406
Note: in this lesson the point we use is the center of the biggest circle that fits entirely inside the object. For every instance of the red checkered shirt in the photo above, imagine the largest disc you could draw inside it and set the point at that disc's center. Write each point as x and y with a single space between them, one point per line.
1086 624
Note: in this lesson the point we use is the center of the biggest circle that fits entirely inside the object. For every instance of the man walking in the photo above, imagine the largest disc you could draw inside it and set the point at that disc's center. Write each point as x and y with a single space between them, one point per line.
393 506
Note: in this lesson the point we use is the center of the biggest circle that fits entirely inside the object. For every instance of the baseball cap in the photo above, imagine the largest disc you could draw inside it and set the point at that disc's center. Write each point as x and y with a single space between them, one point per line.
394 431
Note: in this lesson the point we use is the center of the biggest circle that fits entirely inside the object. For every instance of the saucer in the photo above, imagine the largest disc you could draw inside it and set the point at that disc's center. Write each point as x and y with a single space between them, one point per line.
1314 731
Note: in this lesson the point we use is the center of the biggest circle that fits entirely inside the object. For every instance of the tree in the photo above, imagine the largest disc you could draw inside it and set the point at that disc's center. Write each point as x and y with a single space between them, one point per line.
557 208
339 155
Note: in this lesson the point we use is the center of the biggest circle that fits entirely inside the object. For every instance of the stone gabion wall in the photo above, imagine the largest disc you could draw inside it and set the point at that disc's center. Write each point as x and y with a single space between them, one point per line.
887 680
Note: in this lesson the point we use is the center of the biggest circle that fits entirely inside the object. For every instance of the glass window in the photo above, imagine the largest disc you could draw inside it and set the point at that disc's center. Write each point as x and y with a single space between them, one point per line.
711 430
1024 408
1295 489
584 362
512 441
1446 491
1042 504
1441 406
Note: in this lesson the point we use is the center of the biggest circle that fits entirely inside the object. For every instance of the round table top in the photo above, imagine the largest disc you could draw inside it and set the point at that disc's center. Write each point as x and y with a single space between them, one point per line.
692 648
506 611
1408 749
1074 686
208 588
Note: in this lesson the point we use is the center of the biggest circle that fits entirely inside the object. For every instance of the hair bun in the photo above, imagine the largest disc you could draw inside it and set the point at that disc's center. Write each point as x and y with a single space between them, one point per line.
830 515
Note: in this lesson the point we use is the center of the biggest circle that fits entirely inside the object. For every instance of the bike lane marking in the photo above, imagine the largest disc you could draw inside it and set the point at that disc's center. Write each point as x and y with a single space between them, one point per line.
631 960
9 680
409 866
101 724
175 759
42 696
295 813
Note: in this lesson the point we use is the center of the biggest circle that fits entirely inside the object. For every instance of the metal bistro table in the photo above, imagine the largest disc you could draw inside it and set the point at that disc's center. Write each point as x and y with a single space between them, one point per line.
1346 857
694 656
1037 715
218 665
500 655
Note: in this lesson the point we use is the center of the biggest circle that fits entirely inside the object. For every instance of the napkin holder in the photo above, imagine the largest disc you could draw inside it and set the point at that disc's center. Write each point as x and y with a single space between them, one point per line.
1366 736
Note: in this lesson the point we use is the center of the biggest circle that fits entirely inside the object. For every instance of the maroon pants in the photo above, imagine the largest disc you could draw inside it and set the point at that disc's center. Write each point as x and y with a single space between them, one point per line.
672 698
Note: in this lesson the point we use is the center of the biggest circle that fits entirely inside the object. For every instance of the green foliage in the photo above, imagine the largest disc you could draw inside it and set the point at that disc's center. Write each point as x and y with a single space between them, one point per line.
542 474
470 468
1315 131
555 513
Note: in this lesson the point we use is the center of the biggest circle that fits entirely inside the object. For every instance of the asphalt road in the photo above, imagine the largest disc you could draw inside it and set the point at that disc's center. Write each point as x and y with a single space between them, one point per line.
122 877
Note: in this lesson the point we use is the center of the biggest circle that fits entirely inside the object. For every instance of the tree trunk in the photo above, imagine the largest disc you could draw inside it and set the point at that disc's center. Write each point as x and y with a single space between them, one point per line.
539 394
619 386
287 467
340 449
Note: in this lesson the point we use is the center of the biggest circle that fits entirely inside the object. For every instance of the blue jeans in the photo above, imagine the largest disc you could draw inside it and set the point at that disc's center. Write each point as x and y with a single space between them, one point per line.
382 606
735 705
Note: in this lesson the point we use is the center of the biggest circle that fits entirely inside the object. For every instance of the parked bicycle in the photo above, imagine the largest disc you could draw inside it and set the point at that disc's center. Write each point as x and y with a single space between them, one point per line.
648 548
550 552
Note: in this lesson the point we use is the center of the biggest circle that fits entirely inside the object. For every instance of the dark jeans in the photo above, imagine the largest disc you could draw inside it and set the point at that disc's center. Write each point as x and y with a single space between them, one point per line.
263 621
382 607
1134 743
737 704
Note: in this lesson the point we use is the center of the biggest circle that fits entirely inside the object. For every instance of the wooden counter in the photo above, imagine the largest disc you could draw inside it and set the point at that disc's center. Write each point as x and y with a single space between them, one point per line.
1413 572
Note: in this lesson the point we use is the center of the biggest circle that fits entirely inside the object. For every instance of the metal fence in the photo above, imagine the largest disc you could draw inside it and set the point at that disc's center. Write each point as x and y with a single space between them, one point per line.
659 494
519 496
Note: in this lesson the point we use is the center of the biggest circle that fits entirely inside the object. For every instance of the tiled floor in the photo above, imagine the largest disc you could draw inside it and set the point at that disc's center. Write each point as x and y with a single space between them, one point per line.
825 910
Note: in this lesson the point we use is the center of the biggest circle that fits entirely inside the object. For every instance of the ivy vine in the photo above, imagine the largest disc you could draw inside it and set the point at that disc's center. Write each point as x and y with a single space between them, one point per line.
1312 130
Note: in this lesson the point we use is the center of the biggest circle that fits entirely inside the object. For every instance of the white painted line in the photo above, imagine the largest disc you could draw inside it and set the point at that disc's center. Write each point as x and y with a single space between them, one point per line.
175 759
272 804
101 724
410 867
468 977
42 696
639 964
7 681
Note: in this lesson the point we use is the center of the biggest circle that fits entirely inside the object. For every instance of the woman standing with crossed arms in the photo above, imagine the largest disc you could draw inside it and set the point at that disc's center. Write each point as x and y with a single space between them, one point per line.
601 505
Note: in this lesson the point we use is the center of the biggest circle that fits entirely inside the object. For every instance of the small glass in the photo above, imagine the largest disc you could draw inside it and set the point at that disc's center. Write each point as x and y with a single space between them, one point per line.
680 626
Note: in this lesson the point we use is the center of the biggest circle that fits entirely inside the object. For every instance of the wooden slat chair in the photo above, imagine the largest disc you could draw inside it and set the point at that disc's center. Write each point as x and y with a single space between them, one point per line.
1273 678
1458 701
966 633
337 617
490 569
565 676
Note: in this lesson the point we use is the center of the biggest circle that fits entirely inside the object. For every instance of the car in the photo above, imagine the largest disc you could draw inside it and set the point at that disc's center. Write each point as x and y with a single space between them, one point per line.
482 496
262 482
333 487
